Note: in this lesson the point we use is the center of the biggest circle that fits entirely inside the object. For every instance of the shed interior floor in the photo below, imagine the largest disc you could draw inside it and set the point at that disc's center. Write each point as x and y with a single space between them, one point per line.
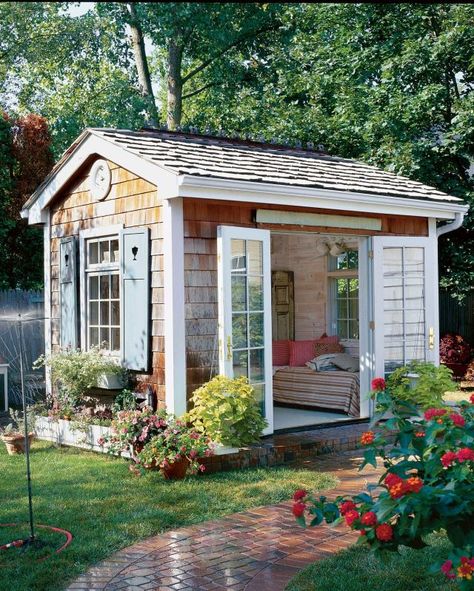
286 418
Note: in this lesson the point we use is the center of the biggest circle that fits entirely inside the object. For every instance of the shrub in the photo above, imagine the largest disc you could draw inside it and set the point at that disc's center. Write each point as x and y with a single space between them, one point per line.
427 486
454 349
226 410
74 372
426 389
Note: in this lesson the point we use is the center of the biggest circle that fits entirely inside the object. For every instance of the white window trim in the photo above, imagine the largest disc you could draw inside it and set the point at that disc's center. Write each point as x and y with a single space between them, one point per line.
84 235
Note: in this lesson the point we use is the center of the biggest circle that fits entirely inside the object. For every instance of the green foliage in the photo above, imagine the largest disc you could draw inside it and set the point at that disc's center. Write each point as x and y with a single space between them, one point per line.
125 400
427 487
419 383
226 410
74 371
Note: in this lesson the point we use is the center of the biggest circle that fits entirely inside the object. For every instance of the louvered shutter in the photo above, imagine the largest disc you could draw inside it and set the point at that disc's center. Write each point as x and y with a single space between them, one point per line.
68 292
135 298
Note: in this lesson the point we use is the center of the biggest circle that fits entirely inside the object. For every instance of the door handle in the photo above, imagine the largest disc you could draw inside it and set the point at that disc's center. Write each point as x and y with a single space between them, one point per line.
431 342
229 349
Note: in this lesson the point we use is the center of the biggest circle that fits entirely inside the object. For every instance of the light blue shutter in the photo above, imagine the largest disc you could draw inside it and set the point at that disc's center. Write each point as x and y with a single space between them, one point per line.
68 292
135 298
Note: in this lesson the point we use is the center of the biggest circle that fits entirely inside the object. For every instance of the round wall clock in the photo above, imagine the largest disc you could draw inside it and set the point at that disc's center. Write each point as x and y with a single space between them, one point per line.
100 180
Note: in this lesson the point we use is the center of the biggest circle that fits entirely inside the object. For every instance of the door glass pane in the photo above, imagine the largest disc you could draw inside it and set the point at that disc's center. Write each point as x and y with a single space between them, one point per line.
255 293
104 287
256 373
93 253
94 313
255 257
115 334
259 390
239 292
93 288
239 331
238 256
404 306
115 283
256 329
104 251
240 363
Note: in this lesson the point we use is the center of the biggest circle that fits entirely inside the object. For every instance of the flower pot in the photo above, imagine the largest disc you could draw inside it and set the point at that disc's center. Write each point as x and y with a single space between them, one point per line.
175 471
110 381
15 443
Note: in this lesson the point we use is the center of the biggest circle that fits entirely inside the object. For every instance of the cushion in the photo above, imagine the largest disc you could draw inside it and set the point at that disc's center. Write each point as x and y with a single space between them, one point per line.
280 353
301 352
326 347
346 362
324 362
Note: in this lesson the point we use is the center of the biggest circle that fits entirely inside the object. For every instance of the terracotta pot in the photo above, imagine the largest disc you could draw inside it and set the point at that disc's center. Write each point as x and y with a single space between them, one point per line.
175 471
15 443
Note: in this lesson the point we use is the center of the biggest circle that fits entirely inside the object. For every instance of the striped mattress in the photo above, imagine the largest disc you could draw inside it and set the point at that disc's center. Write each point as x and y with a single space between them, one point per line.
331 390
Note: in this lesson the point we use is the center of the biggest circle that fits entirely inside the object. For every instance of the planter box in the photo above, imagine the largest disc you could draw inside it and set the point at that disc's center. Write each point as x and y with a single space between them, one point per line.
110 381
63 433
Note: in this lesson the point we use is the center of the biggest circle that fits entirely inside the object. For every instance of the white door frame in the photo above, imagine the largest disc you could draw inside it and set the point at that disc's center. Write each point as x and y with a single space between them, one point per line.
431 288
224 236
366 333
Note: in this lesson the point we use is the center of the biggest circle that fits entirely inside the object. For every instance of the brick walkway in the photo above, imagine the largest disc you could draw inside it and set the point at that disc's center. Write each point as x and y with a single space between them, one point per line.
258 550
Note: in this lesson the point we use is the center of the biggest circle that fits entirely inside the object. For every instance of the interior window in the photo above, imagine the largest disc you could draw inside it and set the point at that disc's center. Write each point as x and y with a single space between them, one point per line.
103 293
344 294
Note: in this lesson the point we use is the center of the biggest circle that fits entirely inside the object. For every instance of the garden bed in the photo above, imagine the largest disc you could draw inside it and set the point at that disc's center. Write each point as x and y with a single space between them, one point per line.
65 432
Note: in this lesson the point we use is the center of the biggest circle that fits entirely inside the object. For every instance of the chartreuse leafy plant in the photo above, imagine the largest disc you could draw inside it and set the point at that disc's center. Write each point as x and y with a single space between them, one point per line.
421 383
227 411
427 485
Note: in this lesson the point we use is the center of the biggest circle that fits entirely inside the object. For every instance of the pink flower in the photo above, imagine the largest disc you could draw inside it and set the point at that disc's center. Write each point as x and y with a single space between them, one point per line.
101 441
194 435
378 384
457 419
202 467
448 458
193 454
300 494
446 569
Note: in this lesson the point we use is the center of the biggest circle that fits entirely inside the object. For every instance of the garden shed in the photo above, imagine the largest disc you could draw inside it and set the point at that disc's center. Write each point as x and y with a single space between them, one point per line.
186 255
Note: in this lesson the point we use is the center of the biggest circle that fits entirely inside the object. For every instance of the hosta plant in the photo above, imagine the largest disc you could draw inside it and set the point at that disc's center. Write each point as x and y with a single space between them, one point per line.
427 485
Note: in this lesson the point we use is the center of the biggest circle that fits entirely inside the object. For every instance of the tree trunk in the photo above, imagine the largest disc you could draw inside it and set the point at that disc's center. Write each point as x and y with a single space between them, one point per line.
141 62
175 85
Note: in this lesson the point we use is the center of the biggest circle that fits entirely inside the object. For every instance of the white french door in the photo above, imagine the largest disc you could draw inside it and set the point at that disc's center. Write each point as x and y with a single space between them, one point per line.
245 315
405 302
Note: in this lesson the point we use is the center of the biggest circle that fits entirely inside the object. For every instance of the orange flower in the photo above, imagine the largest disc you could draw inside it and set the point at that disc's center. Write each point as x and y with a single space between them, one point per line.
414 484
398 490
367 438
465 571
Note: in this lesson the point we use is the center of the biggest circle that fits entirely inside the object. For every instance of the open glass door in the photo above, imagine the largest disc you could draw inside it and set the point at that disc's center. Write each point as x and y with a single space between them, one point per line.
245 315
405 302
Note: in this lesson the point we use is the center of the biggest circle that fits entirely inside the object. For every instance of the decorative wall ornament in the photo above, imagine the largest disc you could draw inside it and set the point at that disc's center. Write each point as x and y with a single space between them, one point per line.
100 180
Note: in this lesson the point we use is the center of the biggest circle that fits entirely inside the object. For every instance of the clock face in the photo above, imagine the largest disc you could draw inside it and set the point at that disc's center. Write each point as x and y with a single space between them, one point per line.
100 179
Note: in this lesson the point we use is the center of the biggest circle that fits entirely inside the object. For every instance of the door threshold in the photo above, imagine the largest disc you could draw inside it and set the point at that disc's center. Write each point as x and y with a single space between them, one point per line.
316 427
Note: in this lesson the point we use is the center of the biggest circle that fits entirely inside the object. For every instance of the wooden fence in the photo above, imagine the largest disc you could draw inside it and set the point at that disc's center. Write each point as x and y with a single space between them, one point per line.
27 306
456 317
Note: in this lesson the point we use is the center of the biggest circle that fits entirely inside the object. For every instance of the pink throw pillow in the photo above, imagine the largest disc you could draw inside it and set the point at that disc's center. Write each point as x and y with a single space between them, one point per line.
280 353
301 352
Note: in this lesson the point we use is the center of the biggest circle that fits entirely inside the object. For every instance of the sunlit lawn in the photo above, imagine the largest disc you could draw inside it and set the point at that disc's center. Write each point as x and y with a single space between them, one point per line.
106 507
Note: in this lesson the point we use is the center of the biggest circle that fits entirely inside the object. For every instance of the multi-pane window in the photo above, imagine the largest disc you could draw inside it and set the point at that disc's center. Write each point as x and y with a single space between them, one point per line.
103 293
344 294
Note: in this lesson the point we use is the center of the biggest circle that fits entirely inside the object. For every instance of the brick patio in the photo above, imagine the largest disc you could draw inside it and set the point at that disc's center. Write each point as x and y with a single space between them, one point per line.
258 550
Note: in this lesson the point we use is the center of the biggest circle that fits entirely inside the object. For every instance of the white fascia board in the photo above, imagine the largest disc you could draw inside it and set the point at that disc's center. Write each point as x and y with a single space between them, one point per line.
297 196
91 144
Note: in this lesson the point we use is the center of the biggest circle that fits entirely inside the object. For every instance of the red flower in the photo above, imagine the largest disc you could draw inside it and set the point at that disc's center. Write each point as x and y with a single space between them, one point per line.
431 413
384 532
298 509
465 454
448 458
369 518
347 506
465 569
367 438
362 532
398 490
458 420
351 516
420 434
300 494
378 384
446 568
472 398
392 480
414 484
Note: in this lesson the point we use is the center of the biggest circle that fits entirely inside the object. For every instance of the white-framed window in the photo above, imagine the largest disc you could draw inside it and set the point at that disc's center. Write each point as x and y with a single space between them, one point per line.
344 294
102 278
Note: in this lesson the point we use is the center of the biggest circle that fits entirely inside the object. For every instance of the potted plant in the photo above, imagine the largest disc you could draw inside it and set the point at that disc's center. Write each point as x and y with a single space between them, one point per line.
13 435
226 409
176 450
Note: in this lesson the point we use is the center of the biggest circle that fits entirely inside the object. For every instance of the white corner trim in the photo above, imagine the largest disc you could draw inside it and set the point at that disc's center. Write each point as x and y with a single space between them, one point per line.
47 296
87 145
267 193
175 334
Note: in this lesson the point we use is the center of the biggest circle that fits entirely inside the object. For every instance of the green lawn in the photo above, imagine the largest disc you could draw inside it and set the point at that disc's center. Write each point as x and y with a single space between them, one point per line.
106 507
356 569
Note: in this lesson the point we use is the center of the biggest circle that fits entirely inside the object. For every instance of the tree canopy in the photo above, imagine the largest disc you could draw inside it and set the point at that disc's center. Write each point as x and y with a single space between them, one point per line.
387 83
